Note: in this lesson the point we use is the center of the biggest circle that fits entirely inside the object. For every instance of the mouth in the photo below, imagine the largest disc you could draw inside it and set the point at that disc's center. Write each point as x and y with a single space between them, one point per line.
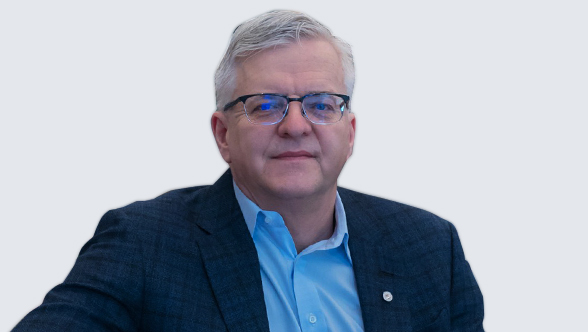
294 155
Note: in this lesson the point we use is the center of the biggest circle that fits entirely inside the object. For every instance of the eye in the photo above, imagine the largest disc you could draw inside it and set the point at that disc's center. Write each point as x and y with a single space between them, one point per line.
264 104
324 107
321 106
267 107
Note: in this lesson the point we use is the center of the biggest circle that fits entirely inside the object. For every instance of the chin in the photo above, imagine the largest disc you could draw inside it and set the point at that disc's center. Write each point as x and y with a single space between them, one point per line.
293 188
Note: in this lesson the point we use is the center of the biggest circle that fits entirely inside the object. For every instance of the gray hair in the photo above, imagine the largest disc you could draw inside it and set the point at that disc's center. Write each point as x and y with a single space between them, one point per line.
271 29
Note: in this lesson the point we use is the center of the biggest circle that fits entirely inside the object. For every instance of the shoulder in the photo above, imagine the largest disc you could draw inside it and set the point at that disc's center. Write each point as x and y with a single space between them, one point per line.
410 240
157 234
169 212
172 202
390 215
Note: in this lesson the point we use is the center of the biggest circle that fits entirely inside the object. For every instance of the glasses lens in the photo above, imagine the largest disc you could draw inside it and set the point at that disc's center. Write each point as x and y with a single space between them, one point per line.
324 108
265 109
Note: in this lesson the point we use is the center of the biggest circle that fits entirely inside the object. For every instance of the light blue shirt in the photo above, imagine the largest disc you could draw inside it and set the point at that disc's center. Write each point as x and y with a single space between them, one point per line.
311 291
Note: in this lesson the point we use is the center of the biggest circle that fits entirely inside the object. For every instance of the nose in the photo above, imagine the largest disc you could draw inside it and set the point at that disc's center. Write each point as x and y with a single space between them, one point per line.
295 123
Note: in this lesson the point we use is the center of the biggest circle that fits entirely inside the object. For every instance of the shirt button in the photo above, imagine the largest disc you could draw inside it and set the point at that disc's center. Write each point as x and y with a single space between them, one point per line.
312 318
268 220
387 296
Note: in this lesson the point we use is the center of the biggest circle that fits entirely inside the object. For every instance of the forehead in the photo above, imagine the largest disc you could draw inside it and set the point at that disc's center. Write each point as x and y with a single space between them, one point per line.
310 65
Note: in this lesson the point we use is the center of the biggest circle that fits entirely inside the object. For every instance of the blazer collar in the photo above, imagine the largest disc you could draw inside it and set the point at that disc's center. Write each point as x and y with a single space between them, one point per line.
372 248
230 258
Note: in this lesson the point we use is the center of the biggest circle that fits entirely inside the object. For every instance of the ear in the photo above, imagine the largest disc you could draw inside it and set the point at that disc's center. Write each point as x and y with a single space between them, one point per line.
219 124
351 133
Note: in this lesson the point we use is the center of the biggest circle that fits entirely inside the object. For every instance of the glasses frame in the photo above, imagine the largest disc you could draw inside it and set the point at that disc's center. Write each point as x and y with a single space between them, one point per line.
242 99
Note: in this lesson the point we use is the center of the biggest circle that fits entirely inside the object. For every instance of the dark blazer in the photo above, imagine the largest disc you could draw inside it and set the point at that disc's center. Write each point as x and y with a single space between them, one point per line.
185 261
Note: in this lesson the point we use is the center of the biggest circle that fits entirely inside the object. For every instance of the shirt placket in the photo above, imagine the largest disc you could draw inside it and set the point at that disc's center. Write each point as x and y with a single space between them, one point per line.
310 314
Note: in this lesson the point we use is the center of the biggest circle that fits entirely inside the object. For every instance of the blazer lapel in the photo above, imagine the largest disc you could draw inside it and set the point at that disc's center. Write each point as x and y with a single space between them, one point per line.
373 268
230 258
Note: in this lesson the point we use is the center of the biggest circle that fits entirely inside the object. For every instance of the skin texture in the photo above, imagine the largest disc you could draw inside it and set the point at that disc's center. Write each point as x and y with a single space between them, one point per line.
290 167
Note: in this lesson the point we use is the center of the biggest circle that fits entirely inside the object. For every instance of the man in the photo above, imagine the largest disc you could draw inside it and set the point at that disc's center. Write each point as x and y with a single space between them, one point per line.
274 244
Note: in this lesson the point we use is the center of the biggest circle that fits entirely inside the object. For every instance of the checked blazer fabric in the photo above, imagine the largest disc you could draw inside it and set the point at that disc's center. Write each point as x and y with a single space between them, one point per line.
185 261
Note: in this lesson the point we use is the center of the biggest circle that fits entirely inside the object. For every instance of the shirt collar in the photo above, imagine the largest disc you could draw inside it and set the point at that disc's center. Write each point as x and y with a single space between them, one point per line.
250 211
248 208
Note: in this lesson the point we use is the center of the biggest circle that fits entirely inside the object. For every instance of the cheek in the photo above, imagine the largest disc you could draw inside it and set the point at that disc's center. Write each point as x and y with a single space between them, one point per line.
248 146
335 149
338 149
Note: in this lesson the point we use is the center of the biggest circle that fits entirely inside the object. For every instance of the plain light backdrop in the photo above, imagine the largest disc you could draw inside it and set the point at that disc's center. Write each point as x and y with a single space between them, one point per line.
473 110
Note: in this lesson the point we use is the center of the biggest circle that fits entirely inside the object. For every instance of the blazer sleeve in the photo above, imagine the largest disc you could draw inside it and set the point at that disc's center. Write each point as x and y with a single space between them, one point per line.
103 291
467 306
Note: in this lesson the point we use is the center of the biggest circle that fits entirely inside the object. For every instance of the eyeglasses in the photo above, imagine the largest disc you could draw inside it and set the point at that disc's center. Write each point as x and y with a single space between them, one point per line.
270 108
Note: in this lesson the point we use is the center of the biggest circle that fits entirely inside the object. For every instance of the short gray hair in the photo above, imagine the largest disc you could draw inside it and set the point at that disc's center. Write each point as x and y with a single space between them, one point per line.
271 29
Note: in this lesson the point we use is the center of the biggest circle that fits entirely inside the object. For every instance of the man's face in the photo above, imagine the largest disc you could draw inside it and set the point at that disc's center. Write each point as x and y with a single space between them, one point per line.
294 158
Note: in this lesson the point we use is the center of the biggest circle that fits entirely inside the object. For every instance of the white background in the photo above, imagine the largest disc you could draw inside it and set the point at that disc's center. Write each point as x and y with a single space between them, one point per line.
474 110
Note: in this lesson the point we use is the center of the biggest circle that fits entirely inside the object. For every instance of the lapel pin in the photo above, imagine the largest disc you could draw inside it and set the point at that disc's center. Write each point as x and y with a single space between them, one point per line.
387 296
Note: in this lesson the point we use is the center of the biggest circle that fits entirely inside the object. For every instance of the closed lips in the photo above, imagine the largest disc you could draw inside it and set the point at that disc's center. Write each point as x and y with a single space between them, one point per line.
294 154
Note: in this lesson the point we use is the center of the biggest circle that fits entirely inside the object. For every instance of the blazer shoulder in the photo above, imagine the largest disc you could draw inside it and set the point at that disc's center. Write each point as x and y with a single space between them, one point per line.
170 211
390 215
171 200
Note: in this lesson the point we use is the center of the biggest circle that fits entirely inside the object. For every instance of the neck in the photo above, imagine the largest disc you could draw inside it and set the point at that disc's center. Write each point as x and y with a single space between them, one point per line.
310 222
309 219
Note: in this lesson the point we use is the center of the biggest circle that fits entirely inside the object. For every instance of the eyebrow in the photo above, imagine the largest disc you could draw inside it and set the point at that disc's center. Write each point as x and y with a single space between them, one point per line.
313 92
307 93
